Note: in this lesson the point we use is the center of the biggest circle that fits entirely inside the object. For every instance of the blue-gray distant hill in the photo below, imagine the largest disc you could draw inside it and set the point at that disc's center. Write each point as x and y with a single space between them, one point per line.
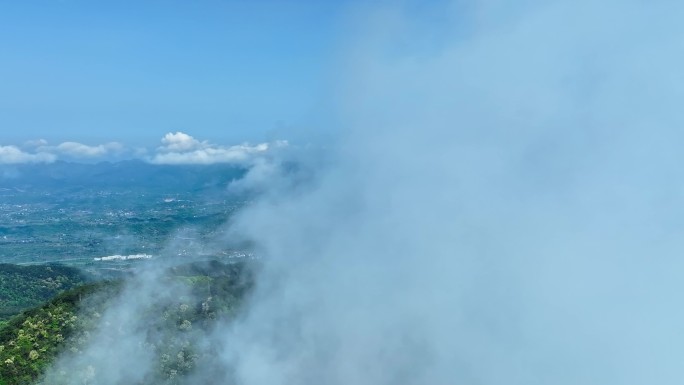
112 176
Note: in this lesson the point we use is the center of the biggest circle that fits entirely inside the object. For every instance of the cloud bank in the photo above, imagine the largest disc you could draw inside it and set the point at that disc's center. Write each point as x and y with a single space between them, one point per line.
177 149
14 155
79 150
180 148
40 151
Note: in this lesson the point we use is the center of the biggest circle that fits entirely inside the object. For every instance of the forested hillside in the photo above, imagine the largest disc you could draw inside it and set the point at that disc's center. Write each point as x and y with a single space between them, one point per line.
199 295
24 287
31 340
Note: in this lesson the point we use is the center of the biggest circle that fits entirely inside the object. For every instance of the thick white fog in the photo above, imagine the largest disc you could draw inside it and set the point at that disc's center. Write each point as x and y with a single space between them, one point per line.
503 204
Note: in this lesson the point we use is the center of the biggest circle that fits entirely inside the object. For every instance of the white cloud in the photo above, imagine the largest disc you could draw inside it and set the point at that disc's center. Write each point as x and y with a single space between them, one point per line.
181 142
180 148
176 149
80 150
260 176
14 155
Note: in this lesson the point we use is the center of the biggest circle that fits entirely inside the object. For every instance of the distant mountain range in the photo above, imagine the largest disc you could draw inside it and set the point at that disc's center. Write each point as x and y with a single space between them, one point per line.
117 175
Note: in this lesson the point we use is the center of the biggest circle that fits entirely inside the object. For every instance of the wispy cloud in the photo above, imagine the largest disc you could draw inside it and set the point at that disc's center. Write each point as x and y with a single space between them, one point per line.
176 148
35 143
14 155
80 150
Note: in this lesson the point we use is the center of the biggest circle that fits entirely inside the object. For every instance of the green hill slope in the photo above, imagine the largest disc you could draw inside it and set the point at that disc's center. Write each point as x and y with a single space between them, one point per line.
31 340
200 293
24 287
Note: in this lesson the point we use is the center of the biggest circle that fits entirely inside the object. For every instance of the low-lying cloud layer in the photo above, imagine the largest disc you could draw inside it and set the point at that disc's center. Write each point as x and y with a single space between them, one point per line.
180 148
79 150
177 149
15 155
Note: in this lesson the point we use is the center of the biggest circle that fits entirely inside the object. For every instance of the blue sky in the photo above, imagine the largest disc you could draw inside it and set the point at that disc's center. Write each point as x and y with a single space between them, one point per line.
224 71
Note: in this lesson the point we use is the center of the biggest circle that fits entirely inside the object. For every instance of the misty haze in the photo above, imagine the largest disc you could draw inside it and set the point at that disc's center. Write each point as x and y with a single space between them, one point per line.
341 192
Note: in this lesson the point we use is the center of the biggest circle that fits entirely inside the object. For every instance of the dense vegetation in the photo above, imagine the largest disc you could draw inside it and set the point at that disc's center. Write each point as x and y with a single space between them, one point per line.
24 287
31 340
198 295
